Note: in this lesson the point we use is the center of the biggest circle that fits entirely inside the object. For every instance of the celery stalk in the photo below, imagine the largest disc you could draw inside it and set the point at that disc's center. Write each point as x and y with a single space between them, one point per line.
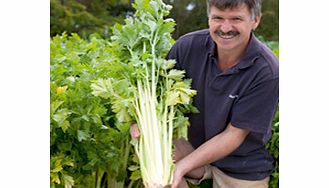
145 88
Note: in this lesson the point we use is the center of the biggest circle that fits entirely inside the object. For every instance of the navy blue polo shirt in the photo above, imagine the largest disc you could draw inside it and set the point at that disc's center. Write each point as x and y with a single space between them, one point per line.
245 95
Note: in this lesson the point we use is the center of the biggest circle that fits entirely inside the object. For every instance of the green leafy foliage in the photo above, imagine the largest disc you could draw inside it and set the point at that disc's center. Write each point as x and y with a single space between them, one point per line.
274 45
85 143
273 147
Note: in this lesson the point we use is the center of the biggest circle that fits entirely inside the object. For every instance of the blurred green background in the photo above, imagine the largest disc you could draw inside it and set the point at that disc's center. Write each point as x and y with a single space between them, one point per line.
97 16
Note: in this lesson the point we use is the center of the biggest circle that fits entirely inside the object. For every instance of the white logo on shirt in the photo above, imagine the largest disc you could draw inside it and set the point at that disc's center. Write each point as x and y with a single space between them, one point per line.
233 96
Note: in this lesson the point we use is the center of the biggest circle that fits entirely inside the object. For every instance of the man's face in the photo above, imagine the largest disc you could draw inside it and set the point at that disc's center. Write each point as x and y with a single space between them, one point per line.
231 28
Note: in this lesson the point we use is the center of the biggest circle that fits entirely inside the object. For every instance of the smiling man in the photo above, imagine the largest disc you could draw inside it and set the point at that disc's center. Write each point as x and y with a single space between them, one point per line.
237 80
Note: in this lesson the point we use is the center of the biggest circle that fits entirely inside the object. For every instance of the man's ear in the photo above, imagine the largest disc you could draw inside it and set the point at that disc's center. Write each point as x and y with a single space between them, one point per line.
256 22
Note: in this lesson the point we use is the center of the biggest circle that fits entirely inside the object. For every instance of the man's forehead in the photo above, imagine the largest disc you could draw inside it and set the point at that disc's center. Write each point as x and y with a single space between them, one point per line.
242 9
228 4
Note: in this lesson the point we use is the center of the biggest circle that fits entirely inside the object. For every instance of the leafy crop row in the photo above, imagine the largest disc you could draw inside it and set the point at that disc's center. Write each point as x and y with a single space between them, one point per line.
87 149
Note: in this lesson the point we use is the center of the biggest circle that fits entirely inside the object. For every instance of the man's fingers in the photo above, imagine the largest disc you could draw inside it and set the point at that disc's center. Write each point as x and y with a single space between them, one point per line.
134 131
182 149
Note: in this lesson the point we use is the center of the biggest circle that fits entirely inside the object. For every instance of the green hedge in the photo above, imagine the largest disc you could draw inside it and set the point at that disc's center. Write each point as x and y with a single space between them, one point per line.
85 17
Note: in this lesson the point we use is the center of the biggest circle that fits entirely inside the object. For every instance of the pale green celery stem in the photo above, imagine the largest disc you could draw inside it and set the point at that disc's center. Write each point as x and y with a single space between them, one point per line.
156 134
164 145
153 69
171 121
152 129
141 123
148 123
99 175
167 138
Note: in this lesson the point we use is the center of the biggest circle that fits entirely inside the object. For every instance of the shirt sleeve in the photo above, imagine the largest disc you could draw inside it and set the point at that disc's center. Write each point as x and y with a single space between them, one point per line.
256 108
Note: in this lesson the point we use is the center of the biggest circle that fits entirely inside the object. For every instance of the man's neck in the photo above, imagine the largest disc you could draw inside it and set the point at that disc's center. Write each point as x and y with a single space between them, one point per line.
228 59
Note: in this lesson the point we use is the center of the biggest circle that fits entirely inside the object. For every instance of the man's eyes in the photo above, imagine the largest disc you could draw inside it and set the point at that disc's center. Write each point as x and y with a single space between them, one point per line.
235 19
217 18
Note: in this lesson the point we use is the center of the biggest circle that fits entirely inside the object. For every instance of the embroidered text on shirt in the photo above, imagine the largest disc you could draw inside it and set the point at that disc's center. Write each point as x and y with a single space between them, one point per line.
233 96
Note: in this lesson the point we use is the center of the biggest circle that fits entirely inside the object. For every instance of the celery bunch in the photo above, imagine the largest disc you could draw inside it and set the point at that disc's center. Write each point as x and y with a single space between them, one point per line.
145 88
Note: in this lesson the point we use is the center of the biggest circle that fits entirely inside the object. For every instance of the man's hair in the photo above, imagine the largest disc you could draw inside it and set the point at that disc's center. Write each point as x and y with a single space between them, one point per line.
254 6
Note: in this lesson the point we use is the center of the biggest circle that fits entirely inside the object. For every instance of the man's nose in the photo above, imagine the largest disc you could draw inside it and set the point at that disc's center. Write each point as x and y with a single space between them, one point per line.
226 26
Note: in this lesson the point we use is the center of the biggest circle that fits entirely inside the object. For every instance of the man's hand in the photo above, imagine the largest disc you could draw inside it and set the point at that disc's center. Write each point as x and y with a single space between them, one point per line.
134 131
214 149
182 149
179 181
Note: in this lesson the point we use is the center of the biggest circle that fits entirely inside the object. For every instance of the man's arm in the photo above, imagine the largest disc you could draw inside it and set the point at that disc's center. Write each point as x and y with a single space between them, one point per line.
216 148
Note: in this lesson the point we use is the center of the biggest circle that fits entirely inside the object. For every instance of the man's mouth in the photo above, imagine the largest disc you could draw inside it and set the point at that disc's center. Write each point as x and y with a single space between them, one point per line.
227 35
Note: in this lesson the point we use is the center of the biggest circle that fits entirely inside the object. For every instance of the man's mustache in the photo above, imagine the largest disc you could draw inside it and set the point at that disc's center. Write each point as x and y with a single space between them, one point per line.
230 33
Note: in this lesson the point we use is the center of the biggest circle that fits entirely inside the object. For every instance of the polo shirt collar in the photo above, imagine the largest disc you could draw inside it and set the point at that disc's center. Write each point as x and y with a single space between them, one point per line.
210 45
251 53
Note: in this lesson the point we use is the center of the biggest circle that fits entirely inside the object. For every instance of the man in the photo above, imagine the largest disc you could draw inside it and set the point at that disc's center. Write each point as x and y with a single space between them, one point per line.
237 81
